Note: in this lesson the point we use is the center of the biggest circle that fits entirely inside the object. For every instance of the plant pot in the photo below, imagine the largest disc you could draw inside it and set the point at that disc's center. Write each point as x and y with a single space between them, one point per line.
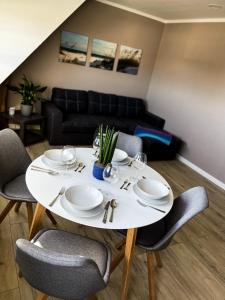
26 110
98 171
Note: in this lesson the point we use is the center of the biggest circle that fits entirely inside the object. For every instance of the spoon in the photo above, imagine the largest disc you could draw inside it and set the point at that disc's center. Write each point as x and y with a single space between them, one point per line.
113 205
124 183
79 166
81 169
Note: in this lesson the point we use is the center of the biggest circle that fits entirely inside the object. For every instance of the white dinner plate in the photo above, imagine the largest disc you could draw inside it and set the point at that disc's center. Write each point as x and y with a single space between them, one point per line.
57 167
121 163
160 201
83 197
58 157
151 189
119 155
81 213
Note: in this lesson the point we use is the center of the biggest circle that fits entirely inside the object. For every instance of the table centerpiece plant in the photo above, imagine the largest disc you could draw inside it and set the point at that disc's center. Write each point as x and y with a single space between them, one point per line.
30 93
108 139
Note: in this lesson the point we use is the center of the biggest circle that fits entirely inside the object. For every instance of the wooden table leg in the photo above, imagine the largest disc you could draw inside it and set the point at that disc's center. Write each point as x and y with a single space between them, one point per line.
129 248
41 296
117 259
38 214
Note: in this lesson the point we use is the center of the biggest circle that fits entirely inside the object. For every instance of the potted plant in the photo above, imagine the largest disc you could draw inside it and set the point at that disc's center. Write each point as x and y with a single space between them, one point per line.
30 93
108 140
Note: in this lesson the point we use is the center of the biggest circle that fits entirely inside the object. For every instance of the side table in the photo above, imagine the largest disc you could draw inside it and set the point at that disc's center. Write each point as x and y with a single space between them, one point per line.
28 136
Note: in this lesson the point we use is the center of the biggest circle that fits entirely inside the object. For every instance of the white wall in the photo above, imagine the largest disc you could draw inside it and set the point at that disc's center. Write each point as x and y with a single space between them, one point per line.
188 90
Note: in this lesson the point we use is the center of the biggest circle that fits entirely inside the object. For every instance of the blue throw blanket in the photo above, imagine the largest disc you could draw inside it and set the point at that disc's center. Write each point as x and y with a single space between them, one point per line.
159 135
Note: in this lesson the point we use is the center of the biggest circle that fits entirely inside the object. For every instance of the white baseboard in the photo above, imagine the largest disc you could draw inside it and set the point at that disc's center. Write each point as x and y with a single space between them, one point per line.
201 172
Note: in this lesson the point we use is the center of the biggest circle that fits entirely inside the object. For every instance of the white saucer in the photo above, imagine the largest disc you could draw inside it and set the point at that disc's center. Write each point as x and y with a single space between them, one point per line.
62 167
82 213
161 201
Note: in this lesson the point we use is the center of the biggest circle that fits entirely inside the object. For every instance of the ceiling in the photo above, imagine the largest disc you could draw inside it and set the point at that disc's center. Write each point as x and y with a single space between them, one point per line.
169 11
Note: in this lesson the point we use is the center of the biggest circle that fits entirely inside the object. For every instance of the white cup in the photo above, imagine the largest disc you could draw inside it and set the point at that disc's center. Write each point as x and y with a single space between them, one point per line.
12 111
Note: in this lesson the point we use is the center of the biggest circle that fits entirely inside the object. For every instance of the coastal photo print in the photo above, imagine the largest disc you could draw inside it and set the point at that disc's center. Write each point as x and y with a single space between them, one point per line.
103 54
73 48
129 60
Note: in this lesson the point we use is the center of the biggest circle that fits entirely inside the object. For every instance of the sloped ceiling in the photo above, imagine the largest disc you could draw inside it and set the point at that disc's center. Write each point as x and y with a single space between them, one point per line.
25 24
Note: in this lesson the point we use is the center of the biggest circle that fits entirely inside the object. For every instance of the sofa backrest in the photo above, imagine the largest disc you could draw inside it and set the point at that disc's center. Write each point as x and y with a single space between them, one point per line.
102 104
130 107
95 103
70 101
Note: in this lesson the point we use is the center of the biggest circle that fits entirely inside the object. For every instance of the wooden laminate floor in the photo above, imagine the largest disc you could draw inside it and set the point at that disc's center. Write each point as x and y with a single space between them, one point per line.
193 265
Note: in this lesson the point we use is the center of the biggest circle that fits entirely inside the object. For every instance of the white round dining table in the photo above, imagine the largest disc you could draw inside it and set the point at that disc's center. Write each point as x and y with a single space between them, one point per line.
128 214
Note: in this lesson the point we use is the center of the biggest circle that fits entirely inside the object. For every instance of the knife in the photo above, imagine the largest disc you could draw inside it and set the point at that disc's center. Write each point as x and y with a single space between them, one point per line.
106 208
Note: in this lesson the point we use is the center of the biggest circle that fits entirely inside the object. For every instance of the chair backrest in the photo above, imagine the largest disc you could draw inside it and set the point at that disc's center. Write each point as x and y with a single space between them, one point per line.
129 143
14 159
56 274
185 207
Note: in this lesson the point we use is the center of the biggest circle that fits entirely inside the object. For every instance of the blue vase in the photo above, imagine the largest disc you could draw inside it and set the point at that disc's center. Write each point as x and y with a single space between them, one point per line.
98 171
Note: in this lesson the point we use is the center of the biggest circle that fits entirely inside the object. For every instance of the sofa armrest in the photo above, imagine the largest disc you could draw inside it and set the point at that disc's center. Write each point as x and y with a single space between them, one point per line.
154 120
54 118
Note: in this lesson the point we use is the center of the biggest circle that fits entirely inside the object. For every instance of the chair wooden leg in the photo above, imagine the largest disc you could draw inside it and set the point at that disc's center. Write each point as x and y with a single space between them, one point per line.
92 297
6 210
41 296
151 278
50 216
158 259
29 213
119 246
117 259
17 207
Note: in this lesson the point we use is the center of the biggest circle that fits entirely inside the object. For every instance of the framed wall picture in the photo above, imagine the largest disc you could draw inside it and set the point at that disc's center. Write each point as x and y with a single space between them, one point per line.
129 60
73 48
103 54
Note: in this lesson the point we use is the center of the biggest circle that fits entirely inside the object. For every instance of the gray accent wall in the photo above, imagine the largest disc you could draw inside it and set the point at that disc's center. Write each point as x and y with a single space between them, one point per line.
188 90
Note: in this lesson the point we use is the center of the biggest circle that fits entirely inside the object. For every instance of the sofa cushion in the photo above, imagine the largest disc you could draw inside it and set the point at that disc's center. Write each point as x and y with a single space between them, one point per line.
130 107
88 123
70 101
102 104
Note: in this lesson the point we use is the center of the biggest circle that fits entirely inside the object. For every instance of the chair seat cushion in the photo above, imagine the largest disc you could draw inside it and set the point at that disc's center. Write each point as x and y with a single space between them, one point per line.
16 189
74 244
149 235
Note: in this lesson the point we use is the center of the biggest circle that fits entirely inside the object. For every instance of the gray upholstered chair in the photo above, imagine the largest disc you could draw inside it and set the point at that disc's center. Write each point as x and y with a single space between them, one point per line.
63 264
129 143
185 207
14 161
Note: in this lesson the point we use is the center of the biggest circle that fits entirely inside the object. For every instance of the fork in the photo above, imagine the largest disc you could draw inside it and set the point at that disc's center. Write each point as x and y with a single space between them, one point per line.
130 163
51 172
127 186
60 193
